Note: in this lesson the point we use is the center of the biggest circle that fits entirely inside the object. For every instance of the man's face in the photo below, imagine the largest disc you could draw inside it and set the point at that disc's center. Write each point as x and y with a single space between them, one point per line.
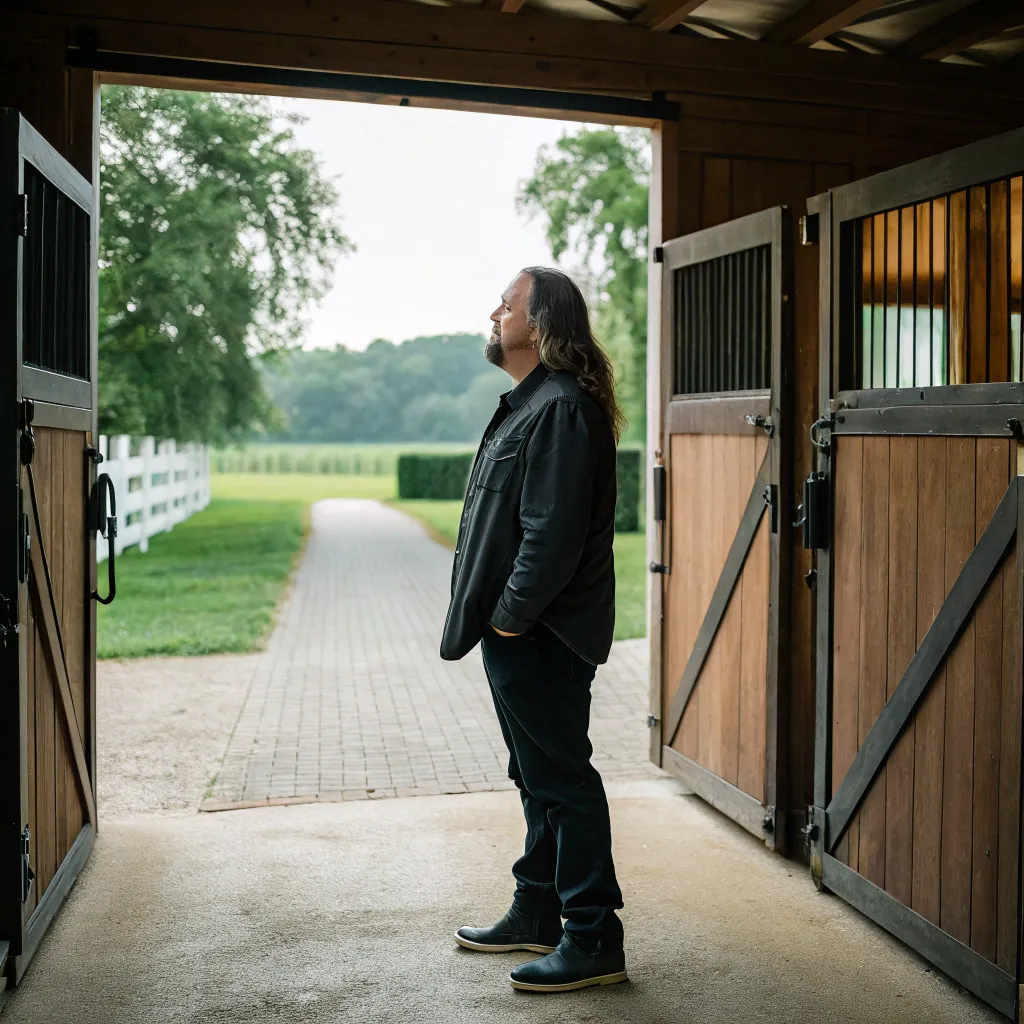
511 331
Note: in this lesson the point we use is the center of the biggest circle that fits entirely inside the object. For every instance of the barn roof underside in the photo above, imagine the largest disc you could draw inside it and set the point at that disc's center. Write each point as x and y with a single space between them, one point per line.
984 33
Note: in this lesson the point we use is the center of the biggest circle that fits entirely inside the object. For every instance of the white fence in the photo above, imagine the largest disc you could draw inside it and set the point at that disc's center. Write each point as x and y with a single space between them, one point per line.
160 486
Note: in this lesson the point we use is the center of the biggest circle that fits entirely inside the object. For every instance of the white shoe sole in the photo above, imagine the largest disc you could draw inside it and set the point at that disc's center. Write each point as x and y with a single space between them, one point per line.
572 986
481 947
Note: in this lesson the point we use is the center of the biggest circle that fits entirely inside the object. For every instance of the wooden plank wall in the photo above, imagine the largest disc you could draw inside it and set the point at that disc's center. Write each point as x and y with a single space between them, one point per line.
56 813
939 827
732 157
724 724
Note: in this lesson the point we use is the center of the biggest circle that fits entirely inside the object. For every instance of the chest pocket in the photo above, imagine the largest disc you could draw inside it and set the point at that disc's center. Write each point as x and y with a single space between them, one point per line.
498 460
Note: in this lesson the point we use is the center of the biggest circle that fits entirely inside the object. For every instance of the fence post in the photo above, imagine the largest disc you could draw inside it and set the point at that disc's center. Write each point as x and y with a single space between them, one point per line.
120 451
147 450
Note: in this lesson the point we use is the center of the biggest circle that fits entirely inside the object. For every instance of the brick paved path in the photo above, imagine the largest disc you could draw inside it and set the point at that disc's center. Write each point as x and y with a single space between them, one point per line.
350 700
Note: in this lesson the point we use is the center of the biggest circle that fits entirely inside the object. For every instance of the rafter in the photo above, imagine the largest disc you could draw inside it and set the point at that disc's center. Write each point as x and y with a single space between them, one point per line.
664 15
964 28
819 19
505 6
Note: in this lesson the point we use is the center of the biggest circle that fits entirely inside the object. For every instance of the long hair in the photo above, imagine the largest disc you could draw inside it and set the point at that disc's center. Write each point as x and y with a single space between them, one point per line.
565 341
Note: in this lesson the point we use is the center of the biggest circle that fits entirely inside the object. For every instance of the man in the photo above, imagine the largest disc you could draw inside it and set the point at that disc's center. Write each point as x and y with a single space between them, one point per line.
534 583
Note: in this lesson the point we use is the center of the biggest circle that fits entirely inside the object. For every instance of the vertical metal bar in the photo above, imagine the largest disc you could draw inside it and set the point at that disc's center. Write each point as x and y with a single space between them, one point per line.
948 310
899 296
988 282
969 378
931 291
913 371
1009 282
870 382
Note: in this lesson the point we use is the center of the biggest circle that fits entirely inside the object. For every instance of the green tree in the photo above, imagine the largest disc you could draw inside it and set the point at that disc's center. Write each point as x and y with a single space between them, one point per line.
592 188
216 232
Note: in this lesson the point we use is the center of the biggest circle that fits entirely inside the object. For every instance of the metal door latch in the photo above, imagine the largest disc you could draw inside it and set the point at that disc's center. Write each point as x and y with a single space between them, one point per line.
764 422
658 567
822 423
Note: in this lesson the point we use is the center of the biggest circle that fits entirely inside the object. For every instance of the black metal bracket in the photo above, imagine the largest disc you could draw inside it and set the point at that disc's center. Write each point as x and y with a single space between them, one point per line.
28 438
769 821
1013 425
94 454
652 721
659 488
659 568
104 520
658 255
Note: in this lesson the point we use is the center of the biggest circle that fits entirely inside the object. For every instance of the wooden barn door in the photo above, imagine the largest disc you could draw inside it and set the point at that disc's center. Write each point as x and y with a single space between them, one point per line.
918 768
47 558
724 317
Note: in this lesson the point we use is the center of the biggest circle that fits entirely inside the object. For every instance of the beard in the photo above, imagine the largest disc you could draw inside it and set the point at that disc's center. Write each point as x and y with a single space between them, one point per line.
493 351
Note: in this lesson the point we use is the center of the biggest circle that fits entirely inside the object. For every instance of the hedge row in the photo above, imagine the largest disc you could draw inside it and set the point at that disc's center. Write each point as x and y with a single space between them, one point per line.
439 477
444 477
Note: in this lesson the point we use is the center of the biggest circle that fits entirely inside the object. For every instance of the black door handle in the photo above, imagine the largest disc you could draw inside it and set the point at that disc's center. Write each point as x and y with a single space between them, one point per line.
105 520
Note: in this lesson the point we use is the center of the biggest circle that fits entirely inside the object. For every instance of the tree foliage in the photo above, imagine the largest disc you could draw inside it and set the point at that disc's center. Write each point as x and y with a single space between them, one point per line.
216 232
592 189
428 389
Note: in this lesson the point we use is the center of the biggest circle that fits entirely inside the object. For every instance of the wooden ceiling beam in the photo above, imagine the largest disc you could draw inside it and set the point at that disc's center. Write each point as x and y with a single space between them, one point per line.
505 6
819 19
663 15
961 30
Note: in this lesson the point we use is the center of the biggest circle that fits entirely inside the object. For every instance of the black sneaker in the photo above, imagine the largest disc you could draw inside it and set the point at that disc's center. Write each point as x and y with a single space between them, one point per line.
514 931
569 968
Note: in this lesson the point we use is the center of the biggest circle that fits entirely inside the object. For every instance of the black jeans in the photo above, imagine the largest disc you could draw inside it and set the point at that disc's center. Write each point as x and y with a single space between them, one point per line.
541 691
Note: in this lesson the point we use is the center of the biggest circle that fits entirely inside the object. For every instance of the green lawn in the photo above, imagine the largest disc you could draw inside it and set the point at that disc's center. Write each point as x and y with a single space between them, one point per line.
212 584
442 519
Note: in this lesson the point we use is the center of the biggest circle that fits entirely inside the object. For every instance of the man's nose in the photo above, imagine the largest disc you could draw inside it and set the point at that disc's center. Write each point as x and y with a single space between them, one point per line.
496 315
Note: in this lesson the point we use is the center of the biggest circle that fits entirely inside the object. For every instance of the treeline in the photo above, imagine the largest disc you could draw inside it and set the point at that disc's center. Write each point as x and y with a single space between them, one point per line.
427 389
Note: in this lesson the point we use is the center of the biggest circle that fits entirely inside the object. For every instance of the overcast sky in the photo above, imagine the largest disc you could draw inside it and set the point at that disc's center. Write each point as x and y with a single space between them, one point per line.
428 197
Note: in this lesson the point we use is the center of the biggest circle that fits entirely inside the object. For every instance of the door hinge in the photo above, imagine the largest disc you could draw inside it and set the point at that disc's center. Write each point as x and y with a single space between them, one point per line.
771 500
8 618
21 215
652 721
768 825
659 254
658 567
27 874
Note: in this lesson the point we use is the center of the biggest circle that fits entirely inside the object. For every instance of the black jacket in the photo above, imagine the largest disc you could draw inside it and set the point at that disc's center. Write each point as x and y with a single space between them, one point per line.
535 541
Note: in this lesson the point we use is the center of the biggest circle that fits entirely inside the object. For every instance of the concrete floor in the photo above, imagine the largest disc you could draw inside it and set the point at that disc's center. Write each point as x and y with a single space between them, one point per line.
344 912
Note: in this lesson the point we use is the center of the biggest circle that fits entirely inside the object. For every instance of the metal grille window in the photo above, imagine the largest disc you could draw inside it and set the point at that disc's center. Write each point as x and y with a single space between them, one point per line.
940 291
56 280
722 330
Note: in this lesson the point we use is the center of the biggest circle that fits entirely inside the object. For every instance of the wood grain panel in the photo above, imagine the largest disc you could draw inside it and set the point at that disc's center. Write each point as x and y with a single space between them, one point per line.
958 758
30 676
902 643
992 466
46 723
873 647
930 721
847 625
723 727
1009 763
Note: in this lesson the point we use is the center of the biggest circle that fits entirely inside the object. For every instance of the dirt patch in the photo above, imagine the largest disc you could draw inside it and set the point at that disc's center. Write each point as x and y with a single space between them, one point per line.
164 724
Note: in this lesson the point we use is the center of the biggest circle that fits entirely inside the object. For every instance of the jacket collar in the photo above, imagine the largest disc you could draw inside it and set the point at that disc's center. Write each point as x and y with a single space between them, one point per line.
525 389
